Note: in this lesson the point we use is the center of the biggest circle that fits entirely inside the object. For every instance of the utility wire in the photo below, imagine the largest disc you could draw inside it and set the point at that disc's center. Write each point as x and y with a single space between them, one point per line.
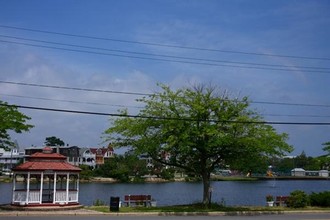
302 116
163 45
161 59
75 88
148 94
293 104
162 118
161 55
127 106
69 101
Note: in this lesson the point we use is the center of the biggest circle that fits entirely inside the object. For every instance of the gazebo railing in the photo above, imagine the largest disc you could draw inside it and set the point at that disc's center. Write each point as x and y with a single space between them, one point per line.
60 196
19 196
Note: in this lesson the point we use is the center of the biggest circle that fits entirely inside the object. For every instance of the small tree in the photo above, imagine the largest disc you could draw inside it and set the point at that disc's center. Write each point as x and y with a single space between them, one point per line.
11 120
200 129
54 141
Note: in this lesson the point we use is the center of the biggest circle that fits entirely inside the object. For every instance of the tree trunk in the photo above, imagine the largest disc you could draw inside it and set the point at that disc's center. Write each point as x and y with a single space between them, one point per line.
206 188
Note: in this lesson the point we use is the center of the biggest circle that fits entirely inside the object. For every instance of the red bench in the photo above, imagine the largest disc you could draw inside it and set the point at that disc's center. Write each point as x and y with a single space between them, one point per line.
281 200
144 200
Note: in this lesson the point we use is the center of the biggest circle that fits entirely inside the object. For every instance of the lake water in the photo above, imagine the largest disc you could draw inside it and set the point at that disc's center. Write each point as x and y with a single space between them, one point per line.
231 192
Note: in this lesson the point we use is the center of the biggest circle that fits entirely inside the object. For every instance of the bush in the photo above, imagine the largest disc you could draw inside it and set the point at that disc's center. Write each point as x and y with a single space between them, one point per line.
321 199
298 199
98 202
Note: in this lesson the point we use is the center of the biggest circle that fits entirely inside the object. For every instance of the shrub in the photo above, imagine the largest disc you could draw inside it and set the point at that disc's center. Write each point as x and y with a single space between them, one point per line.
321 199
98 202
298 199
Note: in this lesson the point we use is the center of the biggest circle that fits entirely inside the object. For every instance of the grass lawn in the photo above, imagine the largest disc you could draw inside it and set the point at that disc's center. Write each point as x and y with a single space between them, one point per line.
188 208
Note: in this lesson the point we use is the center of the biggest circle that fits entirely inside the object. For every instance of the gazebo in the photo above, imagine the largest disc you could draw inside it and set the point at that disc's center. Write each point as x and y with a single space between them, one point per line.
45 179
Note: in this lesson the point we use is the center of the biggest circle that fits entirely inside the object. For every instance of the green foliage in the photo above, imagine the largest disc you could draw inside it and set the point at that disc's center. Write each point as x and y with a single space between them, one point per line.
298 199
98 202
167 174
305 162
11 120
54 141
321 199
200 129
326 147
122 168
86 172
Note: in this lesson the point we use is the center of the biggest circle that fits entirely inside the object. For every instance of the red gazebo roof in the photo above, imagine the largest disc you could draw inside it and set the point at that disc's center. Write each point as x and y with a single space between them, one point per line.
46 160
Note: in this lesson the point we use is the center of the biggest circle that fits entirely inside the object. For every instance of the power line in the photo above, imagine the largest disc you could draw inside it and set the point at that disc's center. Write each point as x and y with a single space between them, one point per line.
300 116
162 118
164 45
163 60
127 106
75 88
70 101
292 104
161 55
148 94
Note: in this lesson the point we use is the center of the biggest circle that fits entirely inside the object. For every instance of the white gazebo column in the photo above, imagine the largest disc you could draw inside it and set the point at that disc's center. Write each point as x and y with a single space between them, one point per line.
67 188
41 186
14 187
77 187
28 188
54 192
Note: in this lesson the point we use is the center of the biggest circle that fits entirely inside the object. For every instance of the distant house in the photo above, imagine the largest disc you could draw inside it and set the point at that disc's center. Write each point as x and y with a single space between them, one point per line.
10 158
87 157
148 160
298 172
102 154
78 156
70 152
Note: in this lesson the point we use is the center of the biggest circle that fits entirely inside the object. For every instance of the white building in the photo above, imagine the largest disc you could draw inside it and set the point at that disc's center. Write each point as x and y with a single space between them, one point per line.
324 173
298 172
10 158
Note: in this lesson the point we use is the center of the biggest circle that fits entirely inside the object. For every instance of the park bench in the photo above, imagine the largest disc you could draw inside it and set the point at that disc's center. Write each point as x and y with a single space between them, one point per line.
137 200
281 200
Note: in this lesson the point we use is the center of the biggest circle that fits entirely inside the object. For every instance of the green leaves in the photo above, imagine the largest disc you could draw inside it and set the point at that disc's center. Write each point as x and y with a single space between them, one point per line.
200 128
11 120
54 141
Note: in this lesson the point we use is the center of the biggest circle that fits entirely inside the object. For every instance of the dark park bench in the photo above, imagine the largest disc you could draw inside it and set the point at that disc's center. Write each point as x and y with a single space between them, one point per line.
137 200
281 200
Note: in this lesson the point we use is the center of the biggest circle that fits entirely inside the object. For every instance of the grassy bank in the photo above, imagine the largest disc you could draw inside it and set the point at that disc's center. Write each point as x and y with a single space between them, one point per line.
200 208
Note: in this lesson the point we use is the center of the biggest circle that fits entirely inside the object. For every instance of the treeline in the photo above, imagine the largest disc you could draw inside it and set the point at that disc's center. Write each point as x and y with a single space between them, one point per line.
283 166
129 167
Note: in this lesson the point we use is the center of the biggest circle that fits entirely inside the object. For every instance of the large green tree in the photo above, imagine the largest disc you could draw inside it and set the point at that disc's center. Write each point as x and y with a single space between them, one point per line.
11 120
200 128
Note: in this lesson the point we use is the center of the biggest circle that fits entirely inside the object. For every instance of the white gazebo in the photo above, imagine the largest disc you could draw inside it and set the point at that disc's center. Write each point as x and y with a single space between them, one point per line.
45 179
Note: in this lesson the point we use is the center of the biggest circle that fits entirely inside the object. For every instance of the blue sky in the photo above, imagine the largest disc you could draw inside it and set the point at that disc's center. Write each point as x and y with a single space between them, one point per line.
232 31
